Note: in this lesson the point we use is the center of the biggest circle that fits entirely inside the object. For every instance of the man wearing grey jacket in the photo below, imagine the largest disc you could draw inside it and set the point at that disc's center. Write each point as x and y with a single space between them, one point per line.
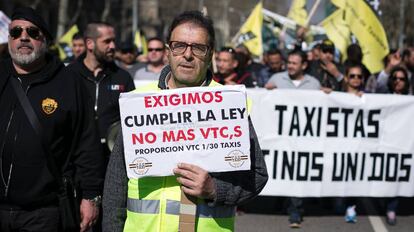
190 49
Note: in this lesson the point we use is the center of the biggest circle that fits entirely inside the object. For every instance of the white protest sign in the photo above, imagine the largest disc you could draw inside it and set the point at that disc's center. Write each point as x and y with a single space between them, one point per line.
204 126
4 28
338 144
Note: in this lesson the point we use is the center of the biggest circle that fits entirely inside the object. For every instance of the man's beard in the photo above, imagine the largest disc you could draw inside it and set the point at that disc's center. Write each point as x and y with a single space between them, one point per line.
102 57
27 59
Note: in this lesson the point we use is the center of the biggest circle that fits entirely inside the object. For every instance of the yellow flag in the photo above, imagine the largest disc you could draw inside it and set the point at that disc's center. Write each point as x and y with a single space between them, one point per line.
67 37
65 42
338 31
141 42
250 33
369 32
298 12
339 3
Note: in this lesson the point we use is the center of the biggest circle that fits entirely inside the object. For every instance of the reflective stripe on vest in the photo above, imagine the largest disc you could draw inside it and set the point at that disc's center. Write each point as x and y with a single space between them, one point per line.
173 207
143 206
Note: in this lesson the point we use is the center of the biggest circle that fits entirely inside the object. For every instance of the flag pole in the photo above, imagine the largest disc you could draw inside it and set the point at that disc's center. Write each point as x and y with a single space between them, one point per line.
312 12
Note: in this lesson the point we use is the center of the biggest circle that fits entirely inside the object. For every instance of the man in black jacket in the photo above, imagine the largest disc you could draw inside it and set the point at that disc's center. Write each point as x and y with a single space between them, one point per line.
28 187
102 77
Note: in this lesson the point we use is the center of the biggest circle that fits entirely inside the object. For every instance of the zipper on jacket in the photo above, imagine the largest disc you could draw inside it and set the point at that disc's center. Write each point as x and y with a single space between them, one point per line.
97 83
96 98
6 183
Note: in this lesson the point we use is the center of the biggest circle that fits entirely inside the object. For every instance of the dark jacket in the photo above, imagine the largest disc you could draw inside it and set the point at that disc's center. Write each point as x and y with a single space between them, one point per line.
58 99
104 91
232 188
325 78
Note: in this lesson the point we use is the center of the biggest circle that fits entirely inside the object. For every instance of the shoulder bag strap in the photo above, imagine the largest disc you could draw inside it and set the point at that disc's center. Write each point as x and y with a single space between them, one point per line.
34 121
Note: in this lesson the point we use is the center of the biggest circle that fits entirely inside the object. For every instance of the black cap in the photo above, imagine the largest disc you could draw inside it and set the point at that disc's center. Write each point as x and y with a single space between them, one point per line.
328 46
28 14
127 47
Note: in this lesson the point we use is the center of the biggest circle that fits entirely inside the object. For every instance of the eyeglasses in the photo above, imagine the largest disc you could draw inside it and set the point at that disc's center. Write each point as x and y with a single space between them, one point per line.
33 32
399 78
179 48
155 49
352 76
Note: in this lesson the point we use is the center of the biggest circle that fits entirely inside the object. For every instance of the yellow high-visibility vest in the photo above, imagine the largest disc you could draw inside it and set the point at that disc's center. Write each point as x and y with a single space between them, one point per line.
153 203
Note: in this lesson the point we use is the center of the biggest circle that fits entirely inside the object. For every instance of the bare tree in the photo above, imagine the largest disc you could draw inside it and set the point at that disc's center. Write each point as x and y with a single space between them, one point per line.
106 10
77 12
62 16
35 4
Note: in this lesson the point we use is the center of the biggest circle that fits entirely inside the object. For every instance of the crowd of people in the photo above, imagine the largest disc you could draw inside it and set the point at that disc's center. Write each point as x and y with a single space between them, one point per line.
54 125
317 70
83 94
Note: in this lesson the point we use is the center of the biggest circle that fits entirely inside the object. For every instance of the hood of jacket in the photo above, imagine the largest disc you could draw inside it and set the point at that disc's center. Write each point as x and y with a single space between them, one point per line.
52 66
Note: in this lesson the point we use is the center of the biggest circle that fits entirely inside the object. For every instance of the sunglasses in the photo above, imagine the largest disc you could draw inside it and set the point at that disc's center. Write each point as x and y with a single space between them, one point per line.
352 76
155 49
179 48
399 78
33 32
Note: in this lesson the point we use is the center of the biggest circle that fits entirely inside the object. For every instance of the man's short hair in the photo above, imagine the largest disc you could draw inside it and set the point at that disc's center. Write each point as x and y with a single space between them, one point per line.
77 36
274 52
91 31
229 50
195 17
156 39
301 54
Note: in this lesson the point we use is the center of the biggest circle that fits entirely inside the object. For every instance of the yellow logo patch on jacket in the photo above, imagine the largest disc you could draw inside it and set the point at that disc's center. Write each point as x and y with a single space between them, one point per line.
49 105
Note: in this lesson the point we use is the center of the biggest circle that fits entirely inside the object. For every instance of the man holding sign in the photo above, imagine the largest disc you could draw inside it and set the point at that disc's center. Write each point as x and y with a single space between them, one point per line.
150 203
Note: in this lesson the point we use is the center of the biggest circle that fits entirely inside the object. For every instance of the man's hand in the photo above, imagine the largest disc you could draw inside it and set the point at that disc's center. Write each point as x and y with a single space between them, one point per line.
195 181
89 214
326 90
270 86
394 60
331 68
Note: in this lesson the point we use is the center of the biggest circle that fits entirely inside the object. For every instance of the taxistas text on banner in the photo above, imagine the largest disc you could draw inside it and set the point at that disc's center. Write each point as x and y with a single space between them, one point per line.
337 144
204 126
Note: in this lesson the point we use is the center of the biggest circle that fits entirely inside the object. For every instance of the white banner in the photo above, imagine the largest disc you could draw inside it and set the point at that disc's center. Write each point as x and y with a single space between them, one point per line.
337 144
4 28
204 126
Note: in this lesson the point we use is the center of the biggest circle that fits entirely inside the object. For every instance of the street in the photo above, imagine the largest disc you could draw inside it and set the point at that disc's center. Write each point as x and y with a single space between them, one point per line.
266 214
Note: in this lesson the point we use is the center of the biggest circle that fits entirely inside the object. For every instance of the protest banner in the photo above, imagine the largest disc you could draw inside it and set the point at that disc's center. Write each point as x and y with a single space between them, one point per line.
338 144
4 28
204 126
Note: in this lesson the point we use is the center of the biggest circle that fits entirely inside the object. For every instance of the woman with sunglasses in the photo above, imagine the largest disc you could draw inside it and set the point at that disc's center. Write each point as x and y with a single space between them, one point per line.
354 84
398 83
354 79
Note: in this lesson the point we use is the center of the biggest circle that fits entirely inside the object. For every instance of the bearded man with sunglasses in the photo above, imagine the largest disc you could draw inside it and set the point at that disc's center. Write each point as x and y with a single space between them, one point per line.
152 203
46 132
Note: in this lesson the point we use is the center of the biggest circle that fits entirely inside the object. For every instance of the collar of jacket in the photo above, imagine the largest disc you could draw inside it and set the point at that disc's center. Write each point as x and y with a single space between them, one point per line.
167 70
108 68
